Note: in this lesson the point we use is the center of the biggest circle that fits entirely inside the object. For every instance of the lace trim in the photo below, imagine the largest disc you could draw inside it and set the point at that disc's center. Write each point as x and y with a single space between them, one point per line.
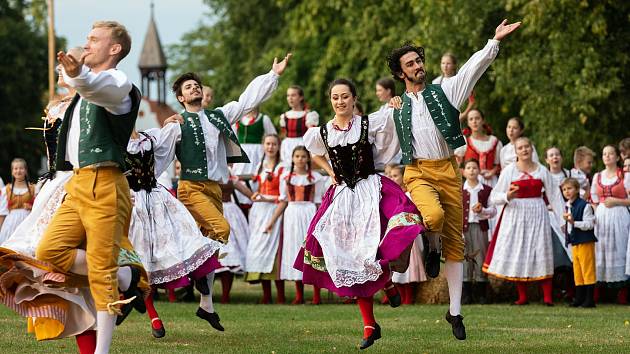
186 267
347 278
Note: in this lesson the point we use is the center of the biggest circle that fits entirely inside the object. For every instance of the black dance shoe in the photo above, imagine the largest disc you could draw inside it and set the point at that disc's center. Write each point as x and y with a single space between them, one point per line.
432 265
457 322
137 303
376 334
160 332
211 317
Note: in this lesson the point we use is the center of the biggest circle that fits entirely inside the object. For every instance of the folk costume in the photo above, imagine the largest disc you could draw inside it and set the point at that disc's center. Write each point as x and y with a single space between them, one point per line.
15 205
507 155
294 125
365 223
250 132
581 237
484 151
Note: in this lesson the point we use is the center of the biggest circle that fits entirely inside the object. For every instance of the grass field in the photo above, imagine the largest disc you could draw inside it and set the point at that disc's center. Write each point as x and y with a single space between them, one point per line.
337 328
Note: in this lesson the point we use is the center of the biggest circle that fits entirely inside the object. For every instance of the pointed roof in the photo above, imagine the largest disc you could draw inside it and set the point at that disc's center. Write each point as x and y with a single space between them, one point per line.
152 56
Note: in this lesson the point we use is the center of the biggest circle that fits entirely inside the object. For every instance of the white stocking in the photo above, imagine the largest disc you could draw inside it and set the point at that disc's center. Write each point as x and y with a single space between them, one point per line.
80 263
454 272
124 278
206 300
105 324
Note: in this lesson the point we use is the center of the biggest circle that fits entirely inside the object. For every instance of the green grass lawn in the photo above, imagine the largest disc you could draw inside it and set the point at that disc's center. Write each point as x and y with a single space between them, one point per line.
336 327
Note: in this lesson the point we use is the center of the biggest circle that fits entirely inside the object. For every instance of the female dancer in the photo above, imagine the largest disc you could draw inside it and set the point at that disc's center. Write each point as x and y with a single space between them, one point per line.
365 222
521 248
16 199
263 247
295 122
163 232
609 192
300 191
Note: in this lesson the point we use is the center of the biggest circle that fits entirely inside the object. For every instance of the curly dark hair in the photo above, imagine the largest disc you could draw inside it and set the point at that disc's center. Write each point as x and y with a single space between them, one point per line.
393 59
177 85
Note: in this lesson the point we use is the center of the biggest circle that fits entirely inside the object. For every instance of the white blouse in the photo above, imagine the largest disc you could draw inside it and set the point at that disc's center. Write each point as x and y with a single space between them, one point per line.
607 181
511 173
381 134
4 201
164 141
302 180
256 92
312 117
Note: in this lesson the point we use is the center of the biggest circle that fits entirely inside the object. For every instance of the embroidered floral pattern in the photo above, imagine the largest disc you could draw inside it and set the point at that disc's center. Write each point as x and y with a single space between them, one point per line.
403 219
317 263
128 257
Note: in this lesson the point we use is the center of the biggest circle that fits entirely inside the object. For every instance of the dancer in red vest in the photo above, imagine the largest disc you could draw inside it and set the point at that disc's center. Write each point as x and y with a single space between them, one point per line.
295 122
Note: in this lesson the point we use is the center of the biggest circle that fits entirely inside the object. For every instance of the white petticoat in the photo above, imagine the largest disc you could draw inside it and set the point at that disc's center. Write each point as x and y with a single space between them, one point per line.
524 247
297 217
612 228
26 236
166 236
235 252
262 247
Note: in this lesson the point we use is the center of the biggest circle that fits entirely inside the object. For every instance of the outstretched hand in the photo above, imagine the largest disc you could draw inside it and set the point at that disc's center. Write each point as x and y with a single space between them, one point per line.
504 29
175 118
71 65
395 102
279 68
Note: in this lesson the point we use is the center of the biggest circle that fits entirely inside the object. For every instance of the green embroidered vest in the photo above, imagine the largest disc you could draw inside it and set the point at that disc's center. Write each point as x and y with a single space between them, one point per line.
252 134
103 135
191 150
444 115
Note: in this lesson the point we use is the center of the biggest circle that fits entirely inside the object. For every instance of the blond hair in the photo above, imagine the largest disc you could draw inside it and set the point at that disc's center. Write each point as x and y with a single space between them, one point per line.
119 35
571 182
581 153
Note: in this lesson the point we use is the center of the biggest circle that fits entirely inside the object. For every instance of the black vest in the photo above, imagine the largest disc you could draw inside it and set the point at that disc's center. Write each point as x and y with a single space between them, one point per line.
578 236
142 169
352 162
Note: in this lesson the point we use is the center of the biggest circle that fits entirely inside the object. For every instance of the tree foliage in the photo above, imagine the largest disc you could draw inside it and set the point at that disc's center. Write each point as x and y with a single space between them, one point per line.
564 72
23 78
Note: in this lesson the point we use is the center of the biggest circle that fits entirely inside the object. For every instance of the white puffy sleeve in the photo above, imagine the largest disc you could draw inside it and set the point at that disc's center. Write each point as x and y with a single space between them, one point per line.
164 151
4 202
382 133
283 187
498 196
312 119
320 187
108 89
497 154
626 182
268 125
255 93
554 196
594 196
313 142
283 120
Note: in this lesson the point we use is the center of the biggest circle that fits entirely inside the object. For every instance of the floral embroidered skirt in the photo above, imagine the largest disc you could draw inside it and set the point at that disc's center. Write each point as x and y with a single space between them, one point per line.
359 265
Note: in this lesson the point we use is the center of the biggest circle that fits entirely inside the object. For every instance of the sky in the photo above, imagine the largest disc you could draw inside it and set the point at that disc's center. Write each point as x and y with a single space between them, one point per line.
74 18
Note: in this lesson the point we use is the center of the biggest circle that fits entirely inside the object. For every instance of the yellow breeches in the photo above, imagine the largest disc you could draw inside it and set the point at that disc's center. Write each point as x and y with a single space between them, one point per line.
436 190
94 214
584 263
203 201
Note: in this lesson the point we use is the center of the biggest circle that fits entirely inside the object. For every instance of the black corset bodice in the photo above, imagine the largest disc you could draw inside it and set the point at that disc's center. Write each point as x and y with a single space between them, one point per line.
141 168
352 162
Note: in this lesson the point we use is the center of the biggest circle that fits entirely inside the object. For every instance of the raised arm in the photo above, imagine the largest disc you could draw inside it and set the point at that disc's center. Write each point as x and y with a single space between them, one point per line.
458 88
256 92
108 89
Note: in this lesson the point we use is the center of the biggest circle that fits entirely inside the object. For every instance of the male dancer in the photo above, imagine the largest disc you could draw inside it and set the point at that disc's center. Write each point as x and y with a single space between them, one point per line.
92 141
427 123
205 146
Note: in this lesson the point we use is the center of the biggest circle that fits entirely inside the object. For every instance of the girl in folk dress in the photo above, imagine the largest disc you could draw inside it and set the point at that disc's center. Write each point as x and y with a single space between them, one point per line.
295 122
609 193
250 130
513 130
234 253
16 199
521 248
448 69
262 262
415 272
162 231
483 148
300 191
365 222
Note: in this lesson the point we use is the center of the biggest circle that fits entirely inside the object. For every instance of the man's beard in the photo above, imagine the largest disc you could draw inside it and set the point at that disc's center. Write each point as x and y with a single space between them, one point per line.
419 80
194 101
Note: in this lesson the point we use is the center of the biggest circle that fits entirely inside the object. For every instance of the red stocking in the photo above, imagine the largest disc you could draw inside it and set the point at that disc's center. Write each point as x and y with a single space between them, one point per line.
226 285
156 323
547 287
86 342
280 292
622 296
171 295
521 287
316 295
596 294
299 293
366 306
408 291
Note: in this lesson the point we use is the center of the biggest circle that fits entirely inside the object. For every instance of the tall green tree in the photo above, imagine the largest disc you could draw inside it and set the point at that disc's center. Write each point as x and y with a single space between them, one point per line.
564 71
23 74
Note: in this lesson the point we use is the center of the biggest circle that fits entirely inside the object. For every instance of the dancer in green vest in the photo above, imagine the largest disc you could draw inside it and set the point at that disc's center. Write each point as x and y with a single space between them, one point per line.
92 142
427 123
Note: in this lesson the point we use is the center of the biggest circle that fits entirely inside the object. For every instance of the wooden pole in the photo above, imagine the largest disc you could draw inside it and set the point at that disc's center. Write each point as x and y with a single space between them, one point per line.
51 49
